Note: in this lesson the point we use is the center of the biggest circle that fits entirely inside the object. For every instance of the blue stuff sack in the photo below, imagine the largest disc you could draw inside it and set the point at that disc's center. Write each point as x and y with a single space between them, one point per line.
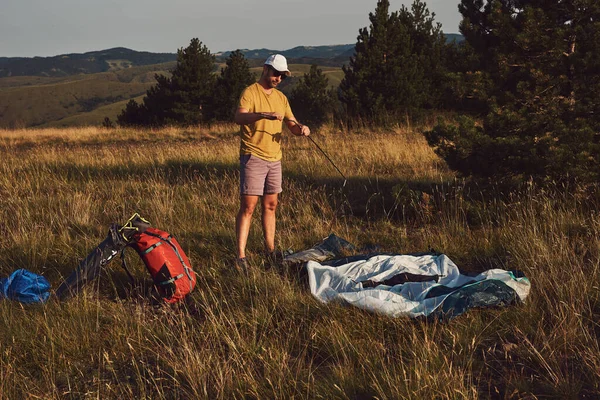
25 286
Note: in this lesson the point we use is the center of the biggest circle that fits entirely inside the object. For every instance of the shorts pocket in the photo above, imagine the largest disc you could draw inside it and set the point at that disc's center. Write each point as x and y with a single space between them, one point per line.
245 158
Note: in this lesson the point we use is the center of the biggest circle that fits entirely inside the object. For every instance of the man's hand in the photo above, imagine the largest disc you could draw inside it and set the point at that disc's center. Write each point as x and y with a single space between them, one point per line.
272 116
243 117
297 128
304 130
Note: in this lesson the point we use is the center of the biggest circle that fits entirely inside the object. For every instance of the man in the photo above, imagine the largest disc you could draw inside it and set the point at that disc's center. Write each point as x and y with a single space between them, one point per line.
261 112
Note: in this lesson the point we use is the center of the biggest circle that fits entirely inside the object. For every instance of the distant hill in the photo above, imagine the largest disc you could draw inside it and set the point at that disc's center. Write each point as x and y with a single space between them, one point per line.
299 52
120 58
86 63
454 37
37 101
332 56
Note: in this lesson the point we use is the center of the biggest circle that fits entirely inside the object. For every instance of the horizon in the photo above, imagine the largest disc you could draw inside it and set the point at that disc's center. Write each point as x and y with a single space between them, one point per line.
175 52
37 28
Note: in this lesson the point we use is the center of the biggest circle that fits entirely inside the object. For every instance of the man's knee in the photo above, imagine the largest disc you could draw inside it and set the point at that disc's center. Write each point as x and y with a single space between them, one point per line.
247 210
270 204
247 206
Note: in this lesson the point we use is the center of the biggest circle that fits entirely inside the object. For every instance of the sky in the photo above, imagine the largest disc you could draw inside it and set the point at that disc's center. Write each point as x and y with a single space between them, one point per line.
45 28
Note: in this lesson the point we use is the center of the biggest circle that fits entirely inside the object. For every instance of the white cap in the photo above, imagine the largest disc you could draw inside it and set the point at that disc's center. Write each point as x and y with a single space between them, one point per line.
278 62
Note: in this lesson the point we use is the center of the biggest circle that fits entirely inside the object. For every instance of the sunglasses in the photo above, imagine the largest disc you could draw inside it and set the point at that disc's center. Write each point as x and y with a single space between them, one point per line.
277 74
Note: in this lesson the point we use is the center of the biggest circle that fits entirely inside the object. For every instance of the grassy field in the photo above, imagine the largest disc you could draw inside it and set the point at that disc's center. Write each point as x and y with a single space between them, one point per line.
95 117
263 335
74 100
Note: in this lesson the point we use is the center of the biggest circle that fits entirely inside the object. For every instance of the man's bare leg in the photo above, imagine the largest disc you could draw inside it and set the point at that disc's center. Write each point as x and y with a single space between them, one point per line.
242 222
269 205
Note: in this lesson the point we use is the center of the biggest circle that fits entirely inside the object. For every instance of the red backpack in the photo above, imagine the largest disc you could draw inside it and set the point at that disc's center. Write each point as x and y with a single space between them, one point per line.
168 265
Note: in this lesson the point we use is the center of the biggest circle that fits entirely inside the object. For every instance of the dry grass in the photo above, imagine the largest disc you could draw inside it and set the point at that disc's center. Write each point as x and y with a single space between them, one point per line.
264 336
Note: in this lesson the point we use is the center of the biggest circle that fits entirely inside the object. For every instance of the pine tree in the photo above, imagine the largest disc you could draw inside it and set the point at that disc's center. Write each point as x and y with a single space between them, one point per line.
107 123
426 51
362 87
542 59
180 98
397 66
312 101
465 89
134 114
234 78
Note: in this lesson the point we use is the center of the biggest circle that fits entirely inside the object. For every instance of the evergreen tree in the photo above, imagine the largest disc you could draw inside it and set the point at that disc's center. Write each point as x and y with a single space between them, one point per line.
465 87
234 78
107 123
311 99
543 62
180 98
426 50
134 114
397 66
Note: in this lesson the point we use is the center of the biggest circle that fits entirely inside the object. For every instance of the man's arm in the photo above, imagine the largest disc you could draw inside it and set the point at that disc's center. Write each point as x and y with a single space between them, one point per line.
297 128
243 117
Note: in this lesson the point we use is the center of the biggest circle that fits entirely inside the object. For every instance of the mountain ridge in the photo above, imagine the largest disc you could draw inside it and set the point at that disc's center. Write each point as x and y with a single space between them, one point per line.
118 58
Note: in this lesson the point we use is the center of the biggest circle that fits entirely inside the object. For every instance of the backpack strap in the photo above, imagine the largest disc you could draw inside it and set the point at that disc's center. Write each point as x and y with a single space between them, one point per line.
134 225
149 249
168 281
168 240
124 265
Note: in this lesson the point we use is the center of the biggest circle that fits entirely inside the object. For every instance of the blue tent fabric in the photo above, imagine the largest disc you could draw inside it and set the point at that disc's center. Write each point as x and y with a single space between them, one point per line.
415 286
486 293
25 286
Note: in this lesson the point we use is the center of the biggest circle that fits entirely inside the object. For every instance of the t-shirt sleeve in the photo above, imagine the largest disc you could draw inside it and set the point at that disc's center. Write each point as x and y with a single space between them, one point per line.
246 101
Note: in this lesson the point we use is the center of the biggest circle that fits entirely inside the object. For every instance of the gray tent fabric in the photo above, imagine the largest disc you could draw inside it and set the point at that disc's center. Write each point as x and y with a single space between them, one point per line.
331 247
90 267
414 286
485 293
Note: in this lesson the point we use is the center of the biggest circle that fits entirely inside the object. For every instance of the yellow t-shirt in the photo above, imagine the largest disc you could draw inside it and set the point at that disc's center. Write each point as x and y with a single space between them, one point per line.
263 138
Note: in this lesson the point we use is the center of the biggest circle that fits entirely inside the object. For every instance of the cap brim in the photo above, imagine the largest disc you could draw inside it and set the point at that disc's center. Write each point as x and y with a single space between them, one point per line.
286 72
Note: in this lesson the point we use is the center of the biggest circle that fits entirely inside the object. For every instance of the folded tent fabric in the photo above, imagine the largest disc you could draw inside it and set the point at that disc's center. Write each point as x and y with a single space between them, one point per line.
331 247
25 286
362 284
90 268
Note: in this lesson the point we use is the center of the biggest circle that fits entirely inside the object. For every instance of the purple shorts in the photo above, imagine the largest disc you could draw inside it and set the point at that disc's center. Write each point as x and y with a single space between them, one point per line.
259 177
